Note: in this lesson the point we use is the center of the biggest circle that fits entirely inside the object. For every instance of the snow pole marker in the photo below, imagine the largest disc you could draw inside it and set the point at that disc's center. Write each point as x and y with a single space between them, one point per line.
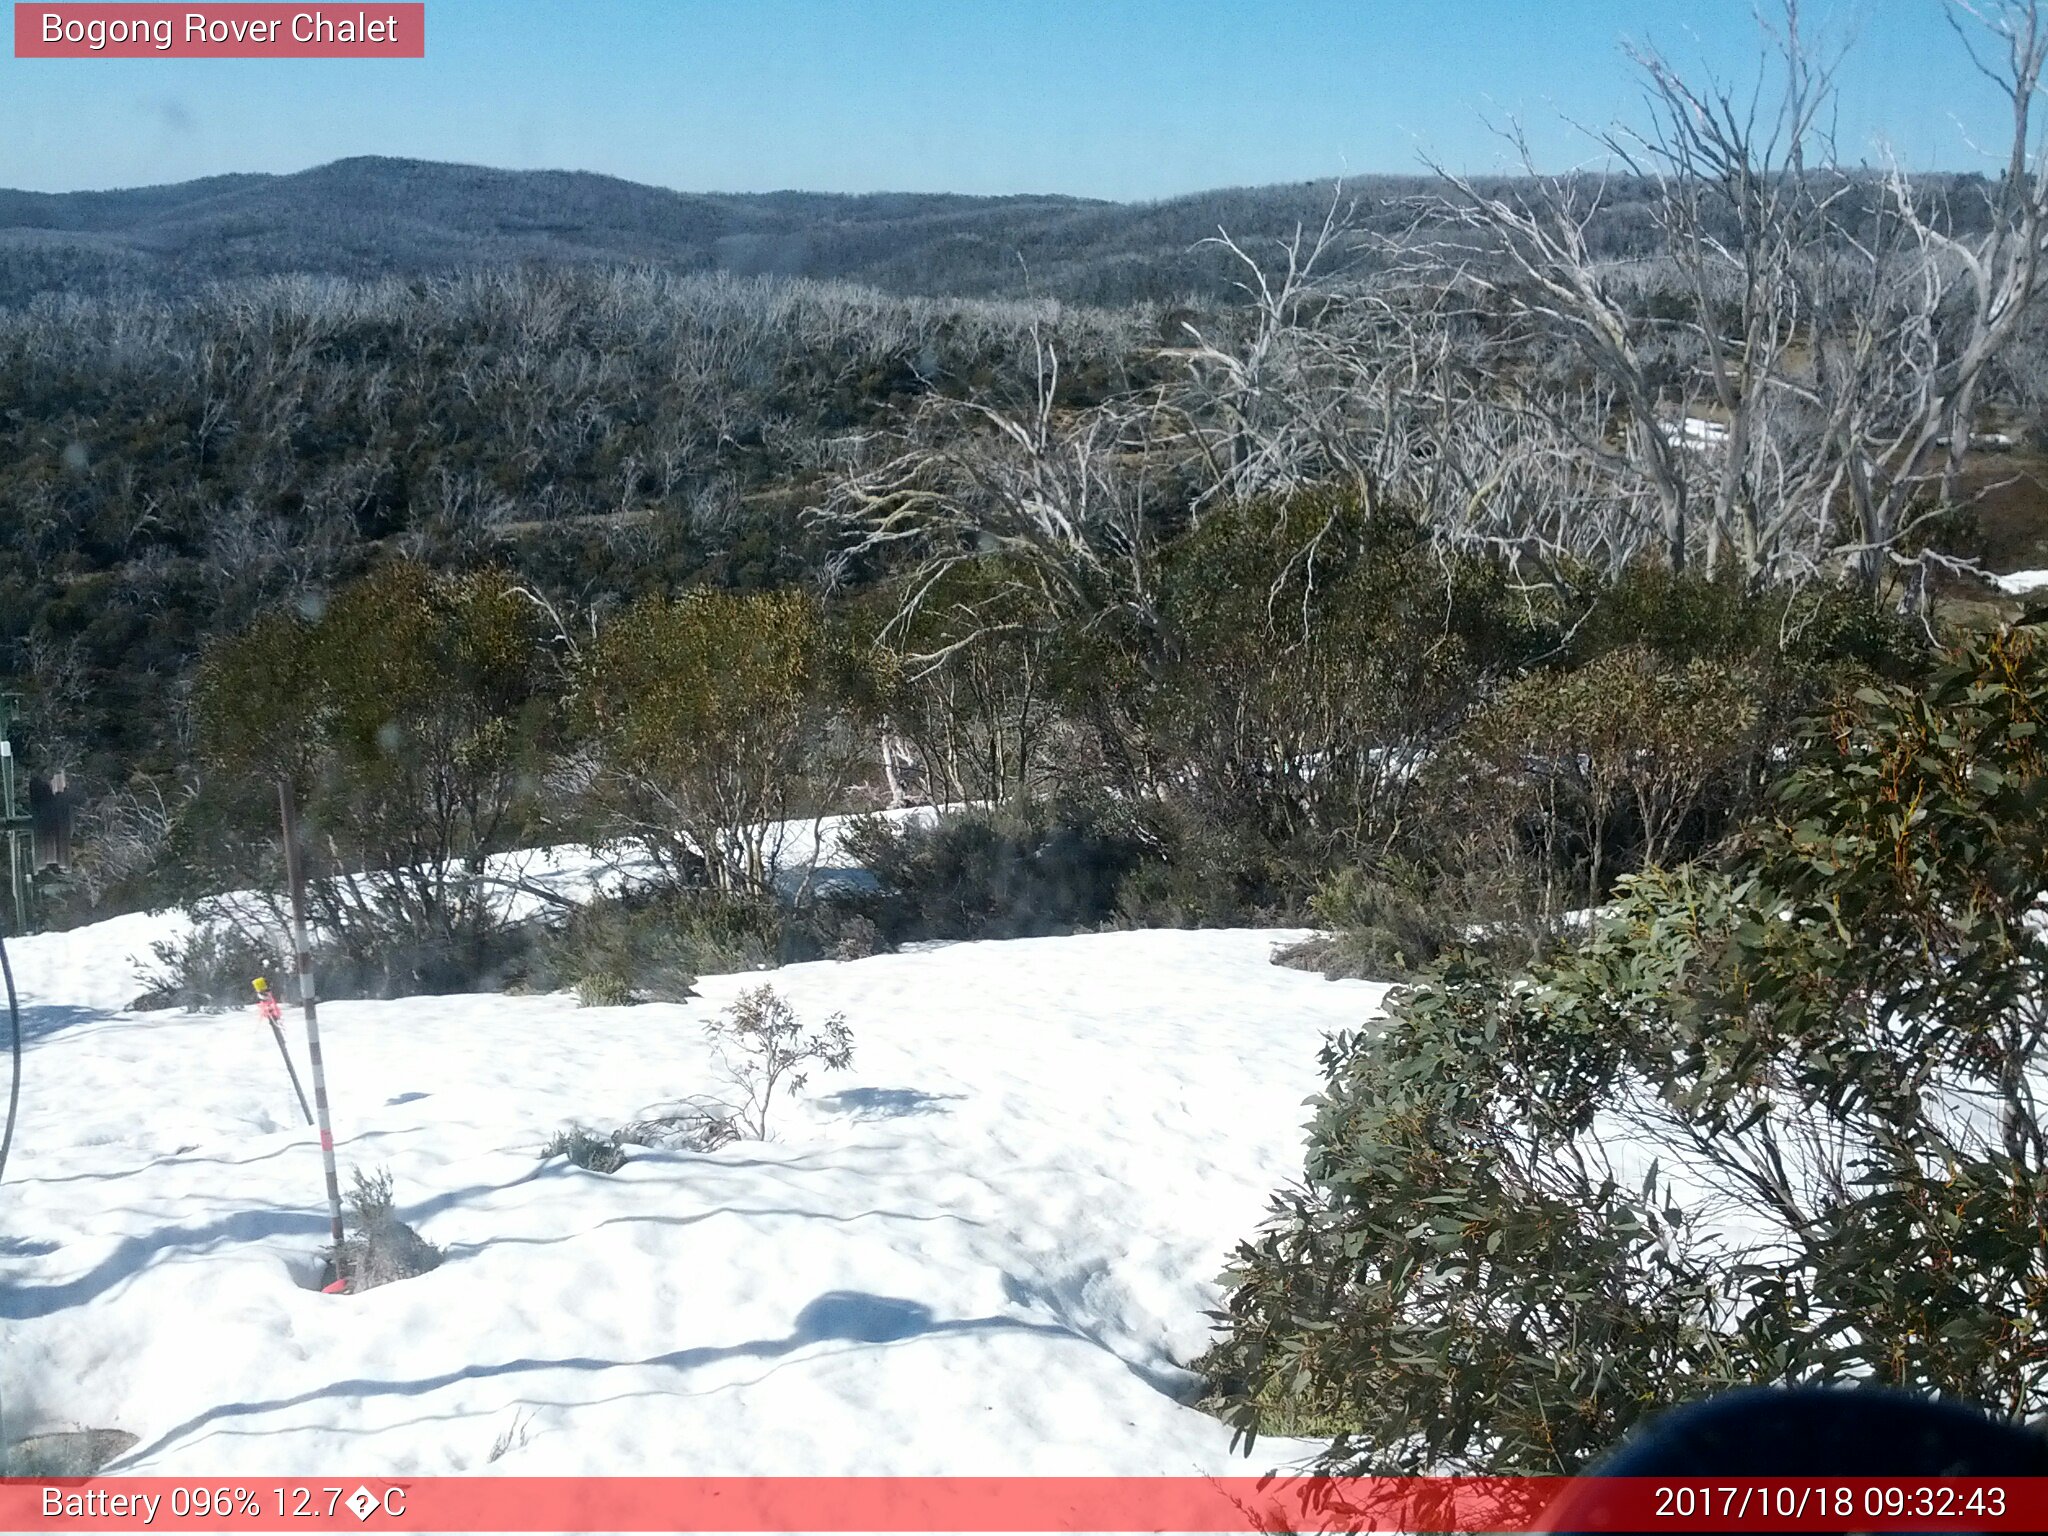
266 1004
295 874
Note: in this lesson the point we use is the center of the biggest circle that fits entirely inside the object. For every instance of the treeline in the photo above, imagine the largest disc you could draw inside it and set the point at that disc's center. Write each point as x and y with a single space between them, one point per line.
1778 402
1000 484
1401 745
168 472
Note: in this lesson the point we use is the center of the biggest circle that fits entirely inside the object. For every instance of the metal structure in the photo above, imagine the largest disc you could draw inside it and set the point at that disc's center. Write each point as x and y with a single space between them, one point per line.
16 824
273 1015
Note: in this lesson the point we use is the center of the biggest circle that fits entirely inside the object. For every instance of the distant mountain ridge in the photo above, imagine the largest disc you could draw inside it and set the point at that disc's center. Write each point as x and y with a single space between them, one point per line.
371 216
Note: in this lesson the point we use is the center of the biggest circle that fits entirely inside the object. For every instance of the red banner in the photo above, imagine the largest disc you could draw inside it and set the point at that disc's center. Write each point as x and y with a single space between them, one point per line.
240 31
998 1504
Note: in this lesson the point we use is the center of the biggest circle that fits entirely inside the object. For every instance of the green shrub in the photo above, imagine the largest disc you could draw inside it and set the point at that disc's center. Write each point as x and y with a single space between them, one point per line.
1626 761
651 945
603 988
412 715
1812 631
1457 1283
1307 652
1202 872
1646 738
1381 924
714 719
599 1154
382 1248
695 1125
1031 869
616 950
210 968
1768 1123
729 934
206 970
385 956
1463 877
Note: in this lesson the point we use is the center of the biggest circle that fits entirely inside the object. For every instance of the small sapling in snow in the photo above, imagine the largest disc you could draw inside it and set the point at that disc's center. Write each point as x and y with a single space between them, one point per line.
763 1047
599 1154
382 1248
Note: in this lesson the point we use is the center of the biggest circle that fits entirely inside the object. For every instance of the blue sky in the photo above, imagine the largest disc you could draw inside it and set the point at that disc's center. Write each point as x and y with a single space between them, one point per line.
1125 99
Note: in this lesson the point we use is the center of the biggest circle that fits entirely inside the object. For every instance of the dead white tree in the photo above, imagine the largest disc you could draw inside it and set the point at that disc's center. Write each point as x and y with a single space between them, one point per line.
1553 283
1263 397
1993 274
1839 328
1051 498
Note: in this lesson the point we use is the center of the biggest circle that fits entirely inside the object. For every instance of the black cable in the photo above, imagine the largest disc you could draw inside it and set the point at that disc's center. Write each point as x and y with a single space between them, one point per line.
7 1466
14 1092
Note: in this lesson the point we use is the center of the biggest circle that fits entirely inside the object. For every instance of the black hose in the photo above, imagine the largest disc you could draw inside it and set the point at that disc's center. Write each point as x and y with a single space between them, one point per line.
7 1466
14 1092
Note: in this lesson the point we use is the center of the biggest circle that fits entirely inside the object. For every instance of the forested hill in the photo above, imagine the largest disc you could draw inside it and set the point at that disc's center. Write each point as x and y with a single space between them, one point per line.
372 217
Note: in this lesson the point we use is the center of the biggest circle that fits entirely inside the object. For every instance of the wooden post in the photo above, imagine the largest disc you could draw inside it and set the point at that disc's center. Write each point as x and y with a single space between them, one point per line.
295 873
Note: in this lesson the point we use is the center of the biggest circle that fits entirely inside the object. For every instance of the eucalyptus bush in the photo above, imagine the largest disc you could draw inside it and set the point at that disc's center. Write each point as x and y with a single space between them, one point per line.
713 720
413 715
1772 1121
1015 871
1610 766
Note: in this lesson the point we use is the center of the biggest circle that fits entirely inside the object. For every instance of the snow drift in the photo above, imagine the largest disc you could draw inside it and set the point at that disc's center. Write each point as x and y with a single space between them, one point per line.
985 1249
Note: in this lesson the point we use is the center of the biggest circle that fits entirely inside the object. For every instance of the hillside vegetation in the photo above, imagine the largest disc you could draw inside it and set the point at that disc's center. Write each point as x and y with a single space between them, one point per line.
375 217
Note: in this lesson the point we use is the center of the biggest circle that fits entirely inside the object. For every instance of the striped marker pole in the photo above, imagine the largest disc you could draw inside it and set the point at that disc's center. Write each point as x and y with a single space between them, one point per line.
295 873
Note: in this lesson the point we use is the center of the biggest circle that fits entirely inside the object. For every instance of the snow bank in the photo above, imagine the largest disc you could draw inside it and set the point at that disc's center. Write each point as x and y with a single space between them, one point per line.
1699 432
987 1249
528 883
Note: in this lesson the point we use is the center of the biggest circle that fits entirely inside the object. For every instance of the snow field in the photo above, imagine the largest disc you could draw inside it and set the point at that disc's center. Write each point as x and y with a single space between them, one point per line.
986 1249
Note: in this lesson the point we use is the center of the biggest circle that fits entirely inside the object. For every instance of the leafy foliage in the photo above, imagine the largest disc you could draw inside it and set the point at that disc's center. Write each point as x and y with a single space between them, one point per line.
412 717
651 945
1648 726
614 950
764 1048
1902 976
1770 1123
1036 868
1311 655
1391 921
1611 766
713 718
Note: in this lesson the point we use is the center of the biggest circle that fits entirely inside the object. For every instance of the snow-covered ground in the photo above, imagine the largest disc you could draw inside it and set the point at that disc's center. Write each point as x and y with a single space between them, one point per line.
985 1249
806 854
1699 432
